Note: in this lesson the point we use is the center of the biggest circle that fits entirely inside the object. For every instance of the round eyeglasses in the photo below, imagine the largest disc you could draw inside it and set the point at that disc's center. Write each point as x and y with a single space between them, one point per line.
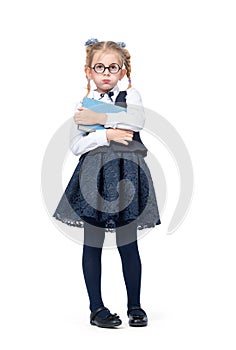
113 68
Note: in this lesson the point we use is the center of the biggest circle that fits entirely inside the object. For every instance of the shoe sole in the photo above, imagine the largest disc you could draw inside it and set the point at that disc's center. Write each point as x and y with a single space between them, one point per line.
105 326
138 325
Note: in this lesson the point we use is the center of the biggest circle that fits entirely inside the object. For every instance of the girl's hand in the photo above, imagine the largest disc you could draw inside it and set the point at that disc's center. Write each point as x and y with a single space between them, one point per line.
88 117
120 135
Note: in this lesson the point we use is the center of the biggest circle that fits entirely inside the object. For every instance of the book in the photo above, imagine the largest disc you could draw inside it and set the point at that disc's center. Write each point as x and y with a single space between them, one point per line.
99 107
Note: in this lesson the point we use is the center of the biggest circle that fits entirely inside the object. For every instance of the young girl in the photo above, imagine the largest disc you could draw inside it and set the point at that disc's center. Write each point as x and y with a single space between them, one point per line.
111 188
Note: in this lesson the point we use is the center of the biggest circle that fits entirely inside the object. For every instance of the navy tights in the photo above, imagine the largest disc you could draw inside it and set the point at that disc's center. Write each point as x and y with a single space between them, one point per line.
131 263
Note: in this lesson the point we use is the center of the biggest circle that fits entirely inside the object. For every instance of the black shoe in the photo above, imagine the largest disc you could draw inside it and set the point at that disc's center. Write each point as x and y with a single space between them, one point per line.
139 319
109 321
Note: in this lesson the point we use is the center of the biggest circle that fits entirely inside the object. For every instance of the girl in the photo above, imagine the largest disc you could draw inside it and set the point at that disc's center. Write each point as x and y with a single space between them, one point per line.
111 188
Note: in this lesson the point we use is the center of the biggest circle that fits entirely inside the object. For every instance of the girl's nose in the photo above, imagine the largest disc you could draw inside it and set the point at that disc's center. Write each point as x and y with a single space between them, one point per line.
106 71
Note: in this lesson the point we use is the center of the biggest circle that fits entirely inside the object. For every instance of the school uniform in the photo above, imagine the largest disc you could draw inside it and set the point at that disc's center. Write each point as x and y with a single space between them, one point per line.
111 185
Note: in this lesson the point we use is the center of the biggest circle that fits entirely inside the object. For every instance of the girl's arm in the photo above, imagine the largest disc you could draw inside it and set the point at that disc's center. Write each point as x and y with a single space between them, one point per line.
133 118
81 143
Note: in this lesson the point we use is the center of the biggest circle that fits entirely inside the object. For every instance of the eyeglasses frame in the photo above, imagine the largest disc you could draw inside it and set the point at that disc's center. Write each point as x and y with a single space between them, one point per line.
106 68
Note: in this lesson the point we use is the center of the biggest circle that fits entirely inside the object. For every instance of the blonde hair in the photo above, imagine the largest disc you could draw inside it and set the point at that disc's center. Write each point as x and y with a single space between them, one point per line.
111 46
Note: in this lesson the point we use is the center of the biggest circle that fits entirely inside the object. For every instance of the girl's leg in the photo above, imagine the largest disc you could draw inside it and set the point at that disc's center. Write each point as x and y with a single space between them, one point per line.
131 263
91 263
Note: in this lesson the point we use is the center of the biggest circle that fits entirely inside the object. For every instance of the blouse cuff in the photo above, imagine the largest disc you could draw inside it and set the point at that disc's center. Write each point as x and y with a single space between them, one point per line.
101 138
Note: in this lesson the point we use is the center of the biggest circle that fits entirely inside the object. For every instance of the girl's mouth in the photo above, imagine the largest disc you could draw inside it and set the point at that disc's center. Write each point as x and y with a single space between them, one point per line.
106 81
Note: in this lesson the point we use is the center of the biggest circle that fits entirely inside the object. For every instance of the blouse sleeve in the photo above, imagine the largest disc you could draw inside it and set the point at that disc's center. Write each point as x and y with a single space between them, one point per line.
133 118
80 142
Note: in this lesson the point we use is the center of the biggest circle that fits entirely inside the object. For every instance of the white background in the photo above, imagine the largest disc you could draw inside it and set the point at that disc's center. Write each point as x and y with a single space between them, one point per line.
183 63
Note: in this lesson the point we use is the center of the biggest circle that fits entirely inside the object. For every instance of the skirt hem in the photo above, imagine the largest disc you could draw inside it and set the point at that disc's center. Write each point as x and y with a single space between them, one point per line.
80 224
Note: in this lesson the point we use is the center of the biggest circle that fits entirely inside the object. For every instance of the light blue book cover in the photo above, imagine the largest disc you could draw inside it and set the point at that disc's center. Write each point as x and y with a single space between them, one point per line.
99 107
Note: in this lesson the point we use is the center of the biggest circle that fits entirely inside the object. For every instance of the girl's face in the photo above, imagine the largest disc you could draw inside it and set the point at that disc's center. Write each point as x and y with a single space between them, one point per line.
105 81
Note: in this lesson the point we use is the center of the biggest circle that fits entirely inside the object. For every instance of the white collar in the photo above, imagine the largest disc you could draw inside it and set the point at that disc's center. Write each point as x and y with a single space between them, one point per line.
97 95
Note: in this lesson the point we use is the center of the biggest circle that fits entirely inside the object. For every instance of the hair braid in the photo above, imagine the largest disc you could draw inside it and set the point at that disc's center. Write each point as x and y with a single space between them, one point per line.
127 65
89 50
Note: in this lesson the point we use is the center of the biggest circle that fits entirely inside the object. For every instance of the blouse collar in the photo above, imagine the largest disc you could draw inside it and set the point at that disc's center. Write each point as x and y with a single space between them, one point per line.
97 95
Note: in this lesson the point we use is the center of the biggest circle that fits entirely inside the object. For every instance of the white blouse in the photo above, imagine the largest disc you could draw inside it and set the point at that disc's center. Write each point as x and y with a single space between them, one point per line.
132 119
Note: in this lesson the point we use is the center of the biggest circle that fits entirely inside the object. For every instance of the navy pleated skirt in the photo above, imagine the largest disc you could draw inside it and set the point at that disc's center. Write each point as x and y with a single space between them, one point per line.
109 189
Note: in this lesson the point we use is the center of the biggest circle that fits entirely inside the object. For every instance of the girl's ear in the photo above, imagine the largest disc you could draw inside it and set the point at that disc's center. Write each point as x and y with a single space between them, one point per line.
122 73
87 72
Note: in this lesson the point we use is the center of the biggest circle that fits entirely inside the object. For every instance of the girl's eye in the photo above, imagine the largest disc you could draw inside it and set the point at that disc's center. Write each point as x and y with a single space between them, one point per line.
99 68
114 68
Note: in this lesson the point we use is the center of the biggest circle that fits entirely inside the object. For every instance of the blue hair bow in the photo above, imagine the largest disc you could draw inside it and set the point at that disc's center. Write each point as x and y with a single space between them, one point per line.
91 42
121 44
